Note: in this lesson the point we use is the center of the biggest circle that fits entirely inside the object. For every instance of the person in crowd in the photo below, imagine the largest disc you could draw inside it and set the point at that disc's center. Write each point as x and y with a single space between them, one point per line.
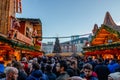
43 64
30 66
9 65
76 78
22 75
73 69
49 73
91 61
106 61
11 73
70 72
61 67
54 70
112 65
101 70
80 63
2 68
52 62
117 68
36 73
114 76
24 61
35 60
88 72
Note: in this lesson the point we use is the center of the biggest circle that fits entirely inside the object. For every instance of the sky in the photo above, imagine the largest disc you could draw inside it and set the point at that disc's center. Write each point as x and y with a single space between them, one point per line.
69 17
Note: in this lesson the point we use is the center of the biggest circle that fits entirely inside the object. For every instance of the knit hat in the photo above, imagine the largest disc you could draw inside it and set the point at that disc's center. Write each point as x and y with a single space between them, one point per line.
115 76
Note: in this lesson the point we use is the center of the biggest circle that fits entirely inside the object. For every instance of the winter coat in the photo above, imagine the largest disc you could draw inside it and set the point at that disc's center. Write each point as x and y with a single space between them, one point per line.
63 76
102 71
51 76
35 75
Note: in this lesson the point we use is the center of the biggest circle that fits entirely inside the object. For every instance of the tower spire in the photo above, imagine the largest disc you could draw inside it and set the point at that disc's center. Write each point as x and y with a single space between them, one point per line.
108 20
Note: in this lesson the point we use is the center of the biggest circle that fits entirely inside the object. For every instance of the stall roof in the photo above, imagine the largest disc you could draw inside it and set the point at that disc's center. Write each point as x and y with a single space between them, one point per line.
32 20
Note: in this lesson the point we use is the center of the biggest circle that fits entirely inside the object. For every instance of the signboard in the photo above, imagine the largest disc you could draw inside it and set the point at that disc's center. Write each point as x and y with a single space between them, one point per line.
23 38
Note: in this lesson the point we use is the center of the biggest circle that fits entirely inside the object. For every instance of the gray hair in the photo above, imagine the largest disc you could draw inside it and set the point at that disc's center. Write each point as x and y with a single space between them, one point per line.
10 69
24 59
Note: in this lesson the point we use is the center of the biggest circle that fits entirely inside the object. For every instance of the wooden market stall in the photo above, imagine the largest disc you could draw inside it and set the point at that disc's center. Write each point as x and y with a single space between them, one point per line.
105 41
31 54
65 54
16 34
50 54
10 50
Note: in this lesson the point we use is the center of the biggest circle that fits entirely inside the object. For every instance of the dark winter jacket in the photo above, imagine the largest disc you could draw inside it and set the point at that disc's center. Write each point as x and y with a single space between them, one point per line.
51 76
102 71
35 75
63 76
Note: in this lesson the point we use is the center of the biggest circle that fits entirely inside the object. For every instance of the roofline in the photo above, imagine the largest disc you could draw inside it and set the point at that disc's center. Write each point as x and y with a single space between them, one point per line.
31 19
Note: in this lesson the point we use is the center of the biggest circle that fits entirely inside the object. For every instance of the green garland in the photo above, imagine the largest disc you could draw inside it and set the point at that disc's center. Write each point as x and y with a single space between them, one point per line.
23 46
16 44
111 30
103 26
104 46
5 40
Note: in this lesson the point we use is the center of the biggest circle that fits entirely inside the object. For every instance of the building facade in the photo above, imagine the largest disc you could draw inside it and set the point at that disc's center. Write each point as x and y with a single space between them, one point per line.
74 45
47 47
8 10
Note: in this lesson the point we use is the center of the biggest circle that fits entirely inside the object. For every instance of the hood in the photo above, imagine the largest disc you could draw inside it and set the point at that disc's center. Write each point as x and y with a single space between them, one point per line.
37 73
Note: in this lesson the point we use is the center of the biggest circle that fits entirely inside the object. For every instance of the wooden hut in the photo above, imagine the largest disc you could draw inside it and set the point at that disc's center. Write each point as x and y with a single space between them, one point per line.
106 40
16 34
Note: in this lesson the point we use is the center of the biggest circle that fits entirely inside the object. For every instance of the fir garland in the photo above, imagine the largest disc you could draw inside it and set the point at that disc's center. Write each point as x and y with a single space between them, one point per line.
102 47
16 44
108 29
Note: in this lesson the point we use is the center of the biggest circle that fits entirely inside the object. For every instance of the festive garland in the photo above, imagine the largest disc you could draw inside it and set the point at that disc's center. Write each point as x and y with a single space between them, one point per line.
104 46
16 44
111 30
3 39
108 29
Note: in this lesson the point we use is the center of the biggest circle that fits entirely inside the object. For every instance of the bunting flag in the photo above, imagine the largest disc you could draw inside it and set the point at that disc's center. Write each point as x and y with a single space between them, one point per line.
18 6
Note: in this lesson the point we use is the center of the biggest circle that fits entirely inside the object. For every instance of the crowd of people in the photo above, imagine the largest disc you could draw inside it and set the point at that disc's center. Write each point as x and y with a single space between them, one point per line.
61 68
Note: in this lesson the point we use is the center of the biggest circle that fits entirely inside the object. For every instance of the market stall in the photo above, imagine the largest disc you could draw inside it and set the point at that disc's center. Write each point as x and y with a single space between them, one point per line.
105 41
106 46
